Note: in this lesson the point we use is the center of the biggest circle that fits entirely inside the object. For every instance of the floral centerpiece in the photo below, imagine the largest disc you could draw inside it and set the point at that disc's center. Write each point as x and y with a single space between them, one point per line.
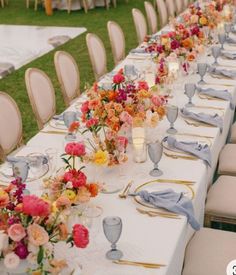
30 226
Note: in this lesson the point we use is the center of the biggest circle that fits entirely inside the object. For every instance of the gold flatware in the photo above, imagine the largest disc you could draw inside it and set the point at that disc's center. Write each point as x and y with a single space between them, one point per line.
186 182
125 192
209 107
180 156
220 77
210 98
198 124
54 132
193 135
143 264
220 84
157 213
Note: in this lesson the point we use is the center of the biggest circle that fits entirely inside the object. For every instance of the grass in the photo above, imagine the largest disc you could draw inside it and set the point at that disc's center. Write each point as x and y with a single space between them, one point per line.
95 21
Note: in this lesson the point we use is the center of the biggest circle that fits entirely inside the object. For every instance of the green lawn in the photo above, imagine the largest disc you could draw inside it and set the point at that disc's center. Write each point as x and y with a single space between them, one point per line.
95 21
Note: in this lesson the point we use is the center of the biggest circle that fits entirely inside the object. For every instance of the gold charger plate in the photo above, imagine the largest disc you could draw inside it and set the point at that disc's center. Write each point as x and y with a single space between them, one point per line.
155 186
57 124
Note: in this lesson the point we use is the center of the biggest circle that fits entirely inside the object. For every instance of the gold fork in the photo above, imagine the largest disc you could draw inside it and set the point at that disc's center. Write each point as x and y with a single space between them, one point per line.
197 124
173 156
158 214
124 194
142 264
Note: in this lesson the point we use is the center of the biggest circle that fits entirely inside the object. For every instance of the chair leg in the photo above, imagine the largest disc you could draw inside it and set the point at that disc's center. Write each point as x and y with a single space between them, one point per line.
35 5
114 3
85 4
106 4
2 3
27 4
68 6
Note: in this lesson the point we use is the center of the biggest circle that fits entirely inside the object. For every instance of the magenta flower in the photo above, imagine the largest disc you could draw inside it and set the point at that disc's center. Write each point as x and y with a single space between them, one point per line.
174 44
21 251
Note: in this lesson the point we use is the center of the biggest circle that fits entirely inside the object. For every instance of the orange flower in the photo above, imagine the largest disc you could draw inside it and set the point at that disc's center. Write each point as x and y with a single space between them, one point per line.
203 21
111 95
4 198
161 111
191 57
93 189
187 43
74 126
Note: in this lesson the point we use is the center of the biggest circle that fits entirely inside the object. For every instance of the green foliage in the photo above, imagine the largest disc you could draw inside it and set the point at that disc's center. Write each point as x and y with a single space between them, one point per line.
95 21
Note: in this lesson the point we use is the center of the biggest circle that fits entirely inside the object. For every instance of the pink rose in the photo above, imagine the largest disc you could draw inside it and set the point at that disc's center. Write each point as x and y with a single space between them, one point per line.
16 232
80 235
142 85
77 178
37 235
34 206
118 78
11 260
126 117
75 149
122 143
84 107
91 122
156 101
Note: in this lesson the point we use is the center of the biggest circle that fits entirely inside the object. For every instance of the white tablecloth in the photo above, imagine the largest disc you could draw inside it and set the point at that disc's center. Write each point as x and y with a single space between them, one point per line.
144 238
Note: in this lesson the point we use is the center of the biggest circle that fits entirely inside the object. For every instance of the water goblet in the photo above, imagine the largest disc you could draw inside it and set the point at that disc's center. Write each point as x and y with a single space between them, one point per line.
129 71
222 39
68 118
172 114
202 69
189 91
155 150
112 227
227 27
52 158
215 50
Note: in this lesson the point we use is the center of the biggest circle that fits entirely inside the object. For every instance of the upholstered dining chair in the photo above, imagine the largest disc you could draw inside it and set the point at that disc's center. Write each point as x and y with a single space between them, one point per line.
179 6
10 125
140 25
97 54
68 76
170 4
117 40
186 3
151 17
162 12
41 95
84 3
209 252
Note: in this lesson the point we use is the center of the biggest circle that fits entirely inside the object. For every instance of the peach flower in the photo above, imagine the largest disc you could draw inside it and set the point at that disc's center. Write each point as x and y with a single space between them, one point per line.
37 235
16 232
63 201
4 199
83 195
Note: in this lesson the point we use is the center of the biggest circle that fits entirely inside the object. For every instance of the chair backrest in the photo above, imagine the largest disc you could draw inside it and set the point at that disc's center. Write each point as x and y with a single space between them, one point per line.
10 125
117 40
140 25
41 95
179 6
186 3
162 12
68 76
151 17
97 54
170 4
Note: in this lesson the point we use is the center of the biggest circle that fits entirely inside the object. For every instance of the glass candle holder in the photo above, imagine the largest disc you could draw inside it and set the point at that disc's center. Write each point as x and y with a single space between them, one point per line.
139 150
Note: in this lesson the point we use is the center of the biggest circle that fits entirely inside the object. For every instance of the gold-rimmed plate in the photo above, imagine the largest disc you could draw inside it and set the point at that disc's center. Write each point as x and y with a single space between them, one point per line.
57 124
6 171
155 186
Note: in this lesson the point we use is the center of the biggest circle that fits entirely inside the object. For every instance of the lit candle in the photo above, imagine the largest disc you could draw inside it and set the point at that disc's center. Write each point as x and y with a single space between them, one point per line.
173 67
139 150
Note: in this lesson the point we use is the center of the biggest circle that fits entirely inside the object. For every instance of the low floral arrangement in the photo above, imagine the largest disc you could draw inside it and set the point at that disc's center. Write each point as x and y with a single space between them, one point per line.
71 187
30 226
109 115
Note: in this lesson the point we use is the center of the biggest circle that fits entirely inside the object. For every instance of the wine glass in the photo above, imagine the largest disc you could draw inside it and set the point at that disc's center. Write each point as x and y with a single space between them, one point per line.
112 227
52 153
36 164
202 69
227 27
189 91
222 39
20 169
172 114
91 218
68 118
215 50
129 71
155 150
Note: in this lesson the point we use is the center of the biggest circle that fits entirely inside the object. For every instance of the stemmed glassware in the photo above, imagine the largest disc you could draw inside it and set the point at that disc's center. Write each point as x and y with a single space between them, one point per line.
112 227
52 157
227 27
172 114
222 39
68 118
215 50
189 91
130 72
155 150
202 69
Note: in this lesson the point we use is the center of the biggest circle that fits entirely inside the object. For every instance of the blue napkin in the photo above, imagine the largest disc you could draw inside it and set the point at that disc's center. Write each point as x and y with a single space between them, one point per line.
230 55
230 40
31 160
222 94
201 151
214 120
218 71
172 201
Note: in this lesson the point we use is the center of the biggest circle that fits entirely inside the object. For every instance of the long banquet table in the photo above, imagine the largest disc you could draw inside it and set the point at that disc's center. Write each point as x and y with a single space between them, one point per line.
151 239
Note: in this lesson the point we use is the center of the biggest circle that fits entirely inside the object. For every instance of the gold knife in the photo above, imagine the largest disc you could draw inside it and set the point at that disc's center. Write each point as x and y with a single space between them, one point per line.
53 132
124 194
186 182
180 156
142 264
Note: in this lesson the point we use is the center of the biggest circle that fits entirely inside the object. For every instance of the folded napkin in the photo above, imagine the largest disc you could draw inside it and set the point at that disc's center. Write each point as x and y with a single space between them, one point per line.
61 116
201 151
222 94
230 40
217 71
214 120
230 55
172 201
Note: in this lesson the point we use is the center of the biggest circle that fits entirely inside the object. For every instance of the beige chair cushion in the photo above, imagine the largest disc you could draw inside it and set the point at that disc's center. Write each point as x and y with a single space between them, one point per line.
233 133
162 12
227 160
140 25
209 252
151 16
221 198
